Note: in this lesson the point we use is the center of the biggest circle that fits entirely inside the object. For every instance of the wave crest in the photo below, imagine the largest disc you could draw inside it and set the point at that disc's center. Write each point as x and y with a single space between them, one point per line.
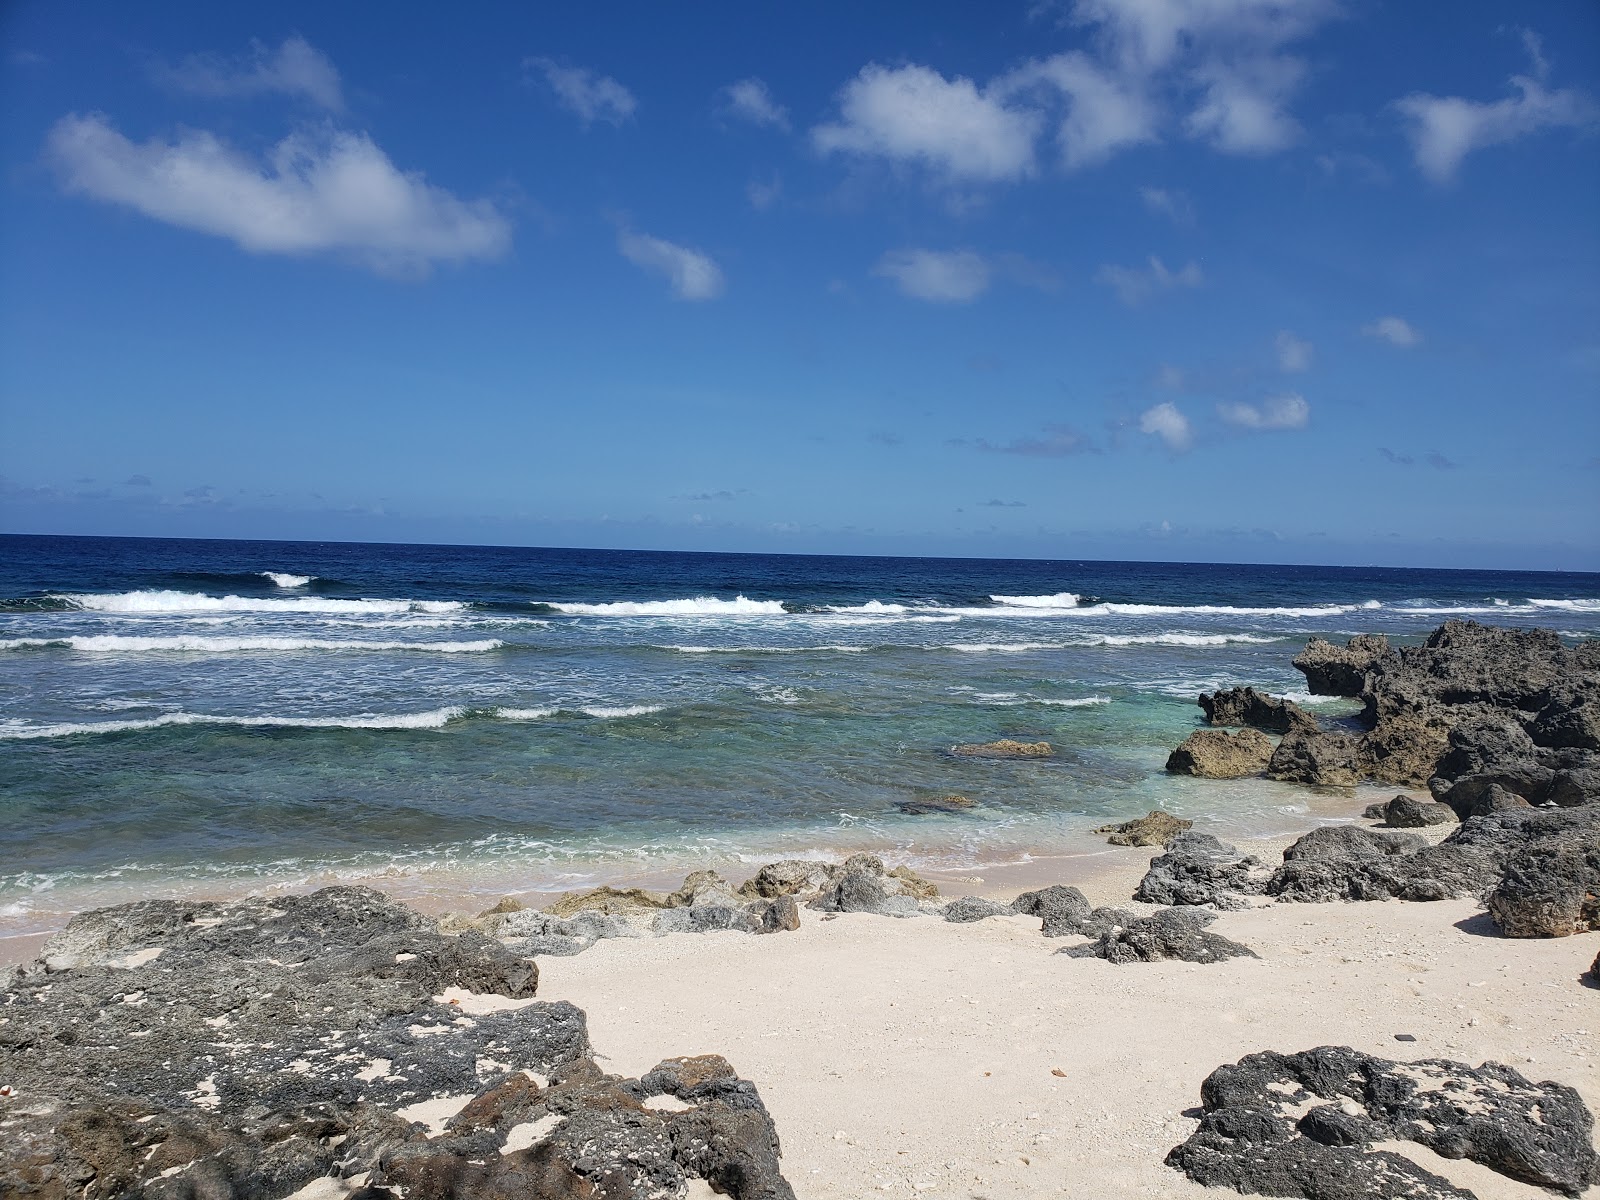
150 601
696 606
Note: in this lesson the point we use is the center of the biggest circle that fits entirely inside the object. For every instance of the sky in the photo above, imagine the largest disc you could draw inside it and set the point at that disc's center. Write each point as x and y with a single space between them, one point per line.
1210 280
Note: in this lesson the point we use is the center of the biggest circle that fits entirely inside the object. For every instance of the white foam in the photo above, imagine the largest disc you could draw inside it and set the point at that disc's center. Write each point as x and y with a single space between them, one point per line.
119 644
626 710
1161 610
196 602
1012 700
1113 639
871 606
697 606
525 714
1058 600
766 649
434 719
1577 605
285 580
601 711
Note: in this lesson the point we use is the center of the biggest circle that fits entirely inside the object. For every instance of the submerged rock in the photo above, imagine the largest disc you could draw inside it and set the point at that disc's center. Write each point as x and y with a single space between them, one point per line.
1264 1131
1198 869
1157 829
169 1049
937 804
1246 706
1217 754
1004 748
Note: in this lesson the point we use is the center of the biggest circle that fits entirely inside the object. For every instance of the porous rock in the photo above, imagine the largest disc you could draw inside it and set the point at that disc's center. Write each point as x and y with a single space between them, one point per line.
1004 748
974 908
1157 829
1258 1135
1198 869
1065 910
1169 933
1332 670
1246 706
934 804
1218 754
1551 884
1404 812
1317 759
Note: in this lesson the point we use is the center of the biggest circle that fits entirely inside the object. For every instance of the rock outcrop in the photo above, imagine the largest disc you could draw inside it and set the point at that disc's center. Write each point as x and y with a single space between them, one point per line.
1157 829
1246 706
1170 933
1004 748
1198 869
1305 1125
1218 754
1403 812
169 1049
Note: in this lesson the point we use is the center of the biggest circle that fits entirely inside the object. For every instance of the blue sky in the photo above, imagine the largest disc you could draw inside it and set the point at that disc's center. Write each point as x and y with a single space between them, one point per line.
1250 280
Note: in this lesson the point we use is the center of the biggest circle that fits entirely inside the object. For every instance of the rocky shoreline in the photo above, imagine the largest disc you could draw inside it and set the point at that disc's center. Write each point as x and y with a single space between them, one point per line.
253 1049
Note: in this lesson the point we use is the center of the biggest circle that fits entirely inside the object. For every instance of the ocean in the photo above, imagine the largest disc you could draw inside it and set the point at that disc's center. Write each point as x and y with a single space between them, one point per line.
182 717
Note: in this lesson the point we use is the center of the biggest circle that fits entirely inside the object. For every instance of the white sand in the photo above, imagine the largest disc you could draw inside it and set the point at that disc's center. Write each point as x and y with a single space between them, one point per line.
920 1056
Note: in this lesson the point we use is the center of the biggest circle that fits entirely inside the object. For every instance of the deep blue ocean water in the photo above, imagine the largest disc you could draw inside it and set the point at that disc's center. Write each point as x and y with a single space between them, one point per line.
182 715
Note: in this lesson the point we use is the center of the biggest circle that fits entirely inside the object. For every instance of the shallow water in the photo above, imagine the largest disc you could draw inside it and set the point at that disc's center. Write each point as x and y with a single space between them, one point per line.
203 716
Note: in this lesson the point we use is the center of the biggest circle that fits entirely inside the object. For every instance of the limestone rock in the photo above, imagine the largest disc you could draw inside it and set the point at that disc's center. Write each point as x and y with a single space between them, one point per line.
1551 885
1004 748
1318 759
1065 910
974 908
1217 754
934 804
1170 933
1246 706
786 878
1157 829
1332 670
1198 869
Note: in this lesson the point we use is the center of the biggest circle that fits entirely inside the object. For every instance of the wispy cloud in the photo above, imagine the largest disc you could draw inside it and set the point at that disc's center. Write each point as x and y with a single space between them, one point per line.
588 94
137 481
1445 129
1134 285
1288 411
1294 354
296 68
1397 331
706 497
1055 441
1175 206
749 100
914 115
692 274
330 193
1166 422
1431 459
942 276
1001 504
763 195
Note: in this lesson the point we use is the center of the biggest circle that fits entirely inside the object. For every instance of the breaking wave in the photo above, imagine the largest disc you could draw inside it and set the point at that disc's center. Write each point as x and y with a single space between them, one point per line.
697 606
117 644
285 580
199 602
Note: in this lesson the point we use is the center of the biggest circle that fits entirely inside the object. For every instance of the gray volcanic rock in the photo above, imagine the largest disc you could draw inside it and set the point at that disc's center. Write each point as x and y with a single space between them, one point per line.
1157 829
1217 754
1198 869
175 1050
1332 670
1351 863
1170 933
1065 910
1254 1136
1403 812
1318 759
786 878
862 885
1246 706
1551 885
974 908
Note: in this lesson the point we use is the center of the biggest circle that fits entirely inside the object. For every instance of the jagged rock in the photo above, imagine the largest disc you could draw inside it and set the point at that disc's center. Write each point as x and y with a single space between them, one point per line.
530 931
1403 812
909 883
171 1049
1350 841
1340 670
862 885
1065 910
1246 706
934 804
1551 885
1157 829
786 878
1351 863
702 887
1217 754
782 915
1571 788
1170 933
1404 749
1254 1138
610 901
1318 759
974 908
1198 869
1004 748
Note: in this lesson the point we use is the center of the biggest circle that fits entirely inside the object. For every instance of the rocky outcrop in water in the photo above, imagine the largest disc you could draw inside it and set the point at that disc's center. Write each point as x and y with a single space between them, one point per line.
1157 829
1305 1125
1246 706
1218 754
173 1050
1198 869
1004 748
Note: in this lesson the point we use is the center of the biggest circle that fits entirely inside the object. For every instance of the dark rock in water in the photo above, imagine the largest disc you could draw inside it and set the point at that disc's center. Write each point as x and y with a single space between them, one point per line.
1318 759
1157 829
174 1050
1217 754
974 908
1551 885
937 804
1246 706
1254 1138
1198 869
1340 670
1065 910
1004 748
1170 933
1405 813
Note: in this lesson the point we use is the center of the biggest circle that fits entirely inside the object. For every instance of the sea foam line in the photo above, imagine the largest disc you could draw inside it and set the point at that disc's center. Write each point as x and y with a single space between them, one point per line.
121 644
696 606
1111 639
150 601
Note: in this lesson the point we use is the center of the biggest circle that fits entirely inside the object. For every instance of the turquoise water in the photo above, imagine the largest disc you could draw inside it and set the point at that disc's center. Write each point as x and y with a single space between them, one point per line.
182 716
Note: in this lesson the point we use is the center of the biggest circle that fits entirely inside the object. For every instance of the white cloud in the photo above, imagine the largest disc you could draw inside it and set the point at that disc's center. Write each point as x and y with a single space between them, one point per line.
592 96
1134 285
1395 330
1105 111
334 193
1170 377
1445 129
1167 423
1288 411
1242 110
913 114
296 68
1175 206
1294 354
693 275
763 195
749 100
945 276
